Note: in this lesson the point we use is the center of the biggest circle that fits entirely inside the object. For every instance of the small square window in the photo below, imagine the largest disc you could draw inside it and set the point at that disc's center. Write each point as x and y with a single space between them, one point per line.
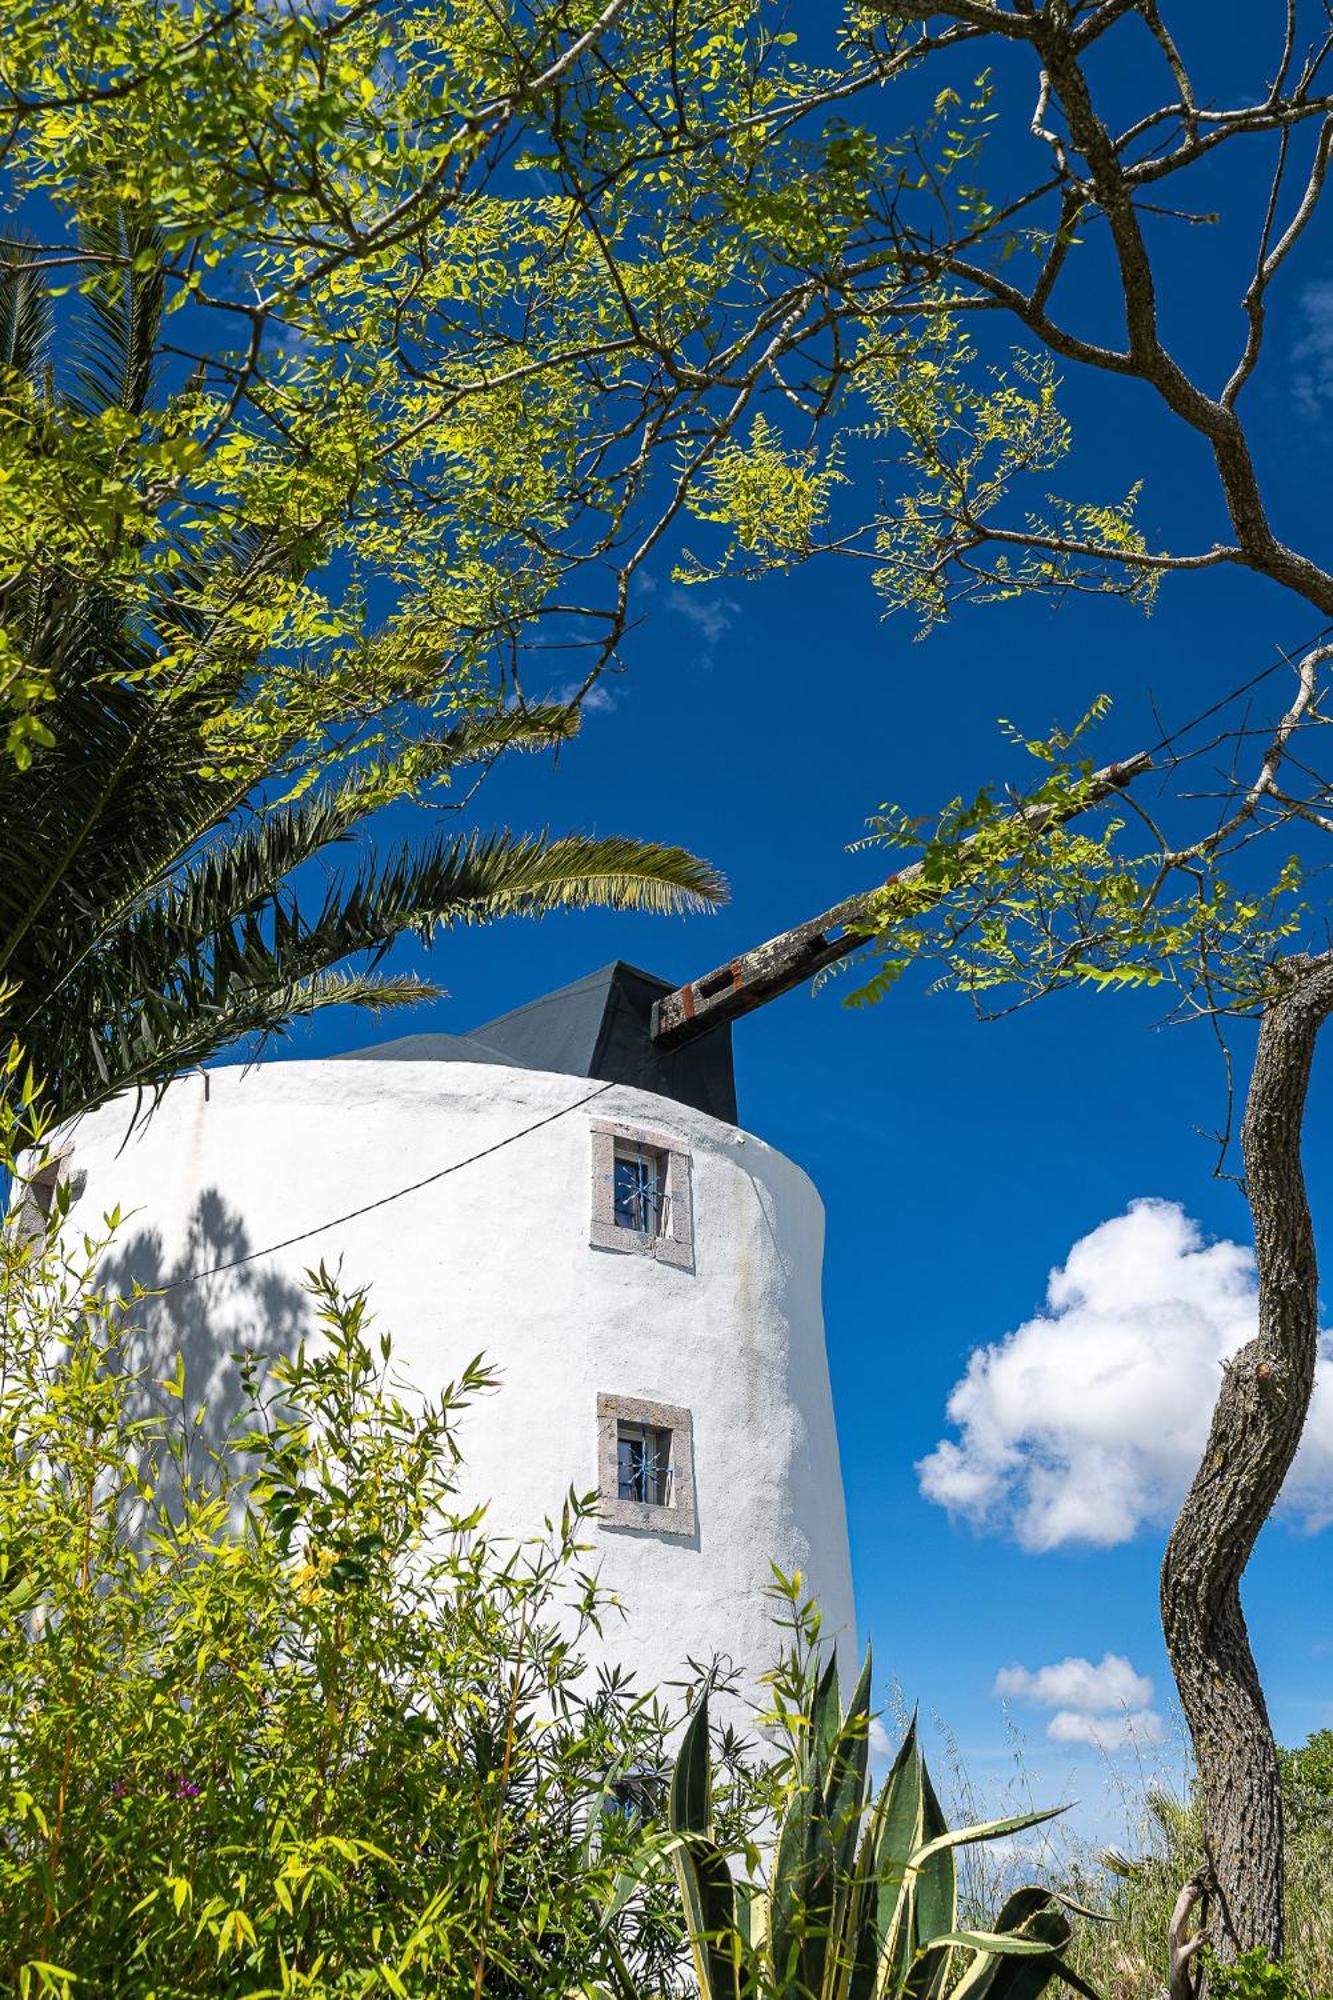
641 1198
641 1194
645 1465
635 1796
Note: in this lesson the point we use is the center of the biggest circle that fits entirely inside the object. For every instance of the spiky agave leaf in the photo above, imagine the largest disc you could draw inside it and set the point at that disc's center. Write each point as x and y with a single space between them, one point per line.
879 1922
702 1871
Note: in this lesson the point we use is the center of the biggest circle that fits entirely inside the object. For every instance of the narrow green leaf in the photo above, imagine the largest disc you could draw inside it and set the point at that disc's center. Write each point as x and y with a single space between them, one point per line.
966 1836
998 1941
690 1810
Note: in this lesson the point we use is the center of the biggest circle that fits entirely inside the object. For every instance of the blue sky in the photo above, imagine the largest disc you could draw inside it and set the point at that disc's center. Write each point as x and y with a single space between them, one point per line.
962 1162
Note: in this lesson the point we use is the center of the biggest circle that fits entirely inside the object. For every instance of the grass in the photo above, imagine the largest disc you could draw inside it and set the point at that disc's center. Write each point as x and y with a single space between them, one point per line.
1134 1887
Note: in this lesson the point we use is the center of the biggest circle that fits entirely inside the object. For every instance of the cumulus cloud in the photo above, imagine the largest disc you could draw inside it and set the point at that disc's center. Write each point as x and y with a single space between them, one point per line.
1087 1423
1108 1706
1077 1683
881 1744
1311 373
598 698
1107 1732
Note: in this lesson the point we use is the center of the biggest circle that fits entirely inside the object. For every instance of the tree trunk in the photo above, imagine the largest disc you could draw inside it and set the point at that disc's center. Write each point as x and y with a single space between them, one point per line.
1256 1428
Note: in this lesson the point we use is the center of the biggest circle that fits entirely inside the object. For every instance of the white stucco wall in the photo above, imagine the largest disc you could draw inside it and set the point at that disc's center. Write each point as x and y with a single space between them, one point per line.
496 1257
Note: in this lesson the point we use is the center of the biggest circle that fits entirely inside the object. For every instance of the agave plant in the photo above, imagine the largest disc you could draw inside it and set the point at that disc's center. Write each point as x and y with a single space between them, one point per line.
147 911
861 1901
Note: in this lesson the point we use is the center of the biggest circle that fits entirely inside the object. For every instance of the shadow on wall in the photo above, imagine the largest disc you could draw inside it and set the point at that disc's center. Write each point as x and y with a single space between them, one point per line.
205 1320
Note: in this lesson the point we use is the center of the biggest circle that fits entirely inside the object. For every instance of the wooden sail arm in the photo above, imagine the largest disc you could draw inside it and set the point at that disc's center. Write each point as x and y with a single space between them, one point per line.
771 969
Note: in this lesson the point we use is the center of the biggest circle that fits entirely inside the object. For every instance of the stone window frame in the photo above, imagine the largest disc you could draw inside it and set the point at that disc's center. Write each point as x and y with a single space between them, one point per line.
679 1517
676 1244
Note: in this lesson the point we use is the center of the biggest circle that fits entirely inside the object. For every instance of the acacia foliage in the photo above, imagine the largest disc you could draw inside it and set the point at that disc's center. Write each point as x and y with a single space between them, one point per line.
149 916
277 1713
459 298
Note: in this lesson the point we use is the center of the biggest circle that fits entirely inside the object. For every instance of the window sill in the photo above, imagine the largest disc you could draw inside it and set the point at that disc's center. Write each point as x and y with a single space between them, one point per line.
639 1243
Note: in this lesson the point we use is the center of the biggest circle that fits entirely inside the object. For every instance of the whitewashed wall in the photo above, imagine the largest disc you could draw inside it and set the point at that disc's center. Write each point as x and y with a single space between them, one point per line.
497 1258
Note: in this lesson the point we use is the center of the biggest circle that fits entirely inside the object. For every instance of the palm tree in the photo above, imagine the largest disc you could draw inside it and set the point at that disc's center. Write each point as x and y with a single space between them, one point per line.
147 913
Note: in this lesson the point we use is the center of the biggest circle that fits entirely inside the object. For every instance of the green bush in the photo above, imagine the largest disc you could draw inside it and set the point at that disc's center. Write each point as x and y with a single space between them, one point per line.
275 1717
1125 1958
1253 1976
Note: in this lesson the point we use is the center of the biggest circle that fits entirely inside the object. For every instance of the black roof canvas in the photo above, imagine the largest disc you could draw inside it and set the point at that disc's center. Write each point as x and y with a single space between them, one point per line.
601 1026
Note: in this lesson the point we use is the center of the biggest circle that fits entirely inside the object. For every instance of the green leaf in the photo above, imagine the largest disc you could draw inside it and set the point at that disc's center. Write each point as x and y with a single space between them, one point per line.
690 1804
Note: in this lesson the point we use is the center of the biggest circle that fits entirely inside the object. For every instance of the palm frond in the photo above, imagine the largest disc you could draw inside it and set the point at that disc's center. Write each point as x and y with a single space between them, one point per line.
231 927
124 295
173 1036
498 874
475 739
27 322
143 927
183 977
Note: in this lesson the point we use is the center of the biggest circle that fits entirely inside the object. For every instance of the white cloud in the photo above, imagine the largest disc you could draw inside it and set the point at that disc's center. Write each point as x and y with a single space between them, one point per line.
1078 1684
1087 1423
1108 1706
711 617
880 1743
1311 373
598 698
1133 1731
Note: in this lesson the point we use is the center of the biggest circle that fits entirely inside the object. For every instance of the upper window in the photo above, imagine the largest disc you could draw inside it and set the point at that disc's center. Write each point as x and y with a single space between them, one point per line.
641 1193
642 1201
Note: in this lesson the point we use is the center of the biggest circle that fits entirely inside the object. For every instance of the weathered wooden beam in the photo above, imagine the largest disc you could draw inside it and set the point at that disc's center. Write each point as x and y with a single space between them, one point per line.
797 955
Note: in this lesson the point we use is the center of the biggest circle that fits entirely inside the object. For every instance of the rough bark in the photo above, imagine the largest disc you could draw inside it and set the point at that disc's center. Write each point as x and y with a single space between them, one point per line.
1256 1428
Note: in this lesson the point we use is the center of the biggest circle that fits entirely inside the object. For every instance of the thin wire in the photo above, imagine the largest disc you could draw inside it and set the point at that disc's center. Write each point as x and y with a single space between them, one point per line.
368 1208
1285 660
251 1256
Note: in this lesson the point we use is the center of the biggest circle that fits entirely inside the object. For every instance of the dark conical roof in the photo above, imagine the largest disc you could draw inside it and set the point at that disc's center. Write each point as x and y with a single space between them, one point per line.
601 1026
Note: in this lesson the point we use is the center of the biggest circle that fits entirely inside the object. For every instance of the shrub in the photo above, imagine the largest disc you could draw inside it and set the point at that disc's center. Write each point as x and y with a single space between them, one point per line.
275 1715
1253 1976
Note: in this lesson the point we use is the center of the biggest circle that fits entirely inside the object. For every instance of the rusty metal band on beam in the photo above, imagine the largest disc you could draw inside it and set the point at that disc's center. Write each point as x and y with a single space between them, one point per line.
757 976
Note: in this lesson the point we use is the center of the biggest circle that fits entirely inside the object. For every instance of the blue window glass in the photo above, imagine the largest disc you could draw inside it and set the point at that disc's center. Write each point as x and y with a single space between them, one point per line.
640 1189
643 1464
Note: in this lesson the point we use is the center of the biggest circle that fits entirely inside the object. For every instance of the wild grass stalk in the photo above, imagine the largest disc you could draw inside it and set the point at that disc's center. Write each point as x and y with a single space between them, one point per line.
1134 1884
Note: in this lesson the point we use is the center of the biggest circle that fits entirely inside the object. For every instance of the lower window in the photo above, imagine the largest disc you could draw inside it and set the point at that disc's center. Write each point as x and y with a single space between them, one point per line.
645 1465
636 1796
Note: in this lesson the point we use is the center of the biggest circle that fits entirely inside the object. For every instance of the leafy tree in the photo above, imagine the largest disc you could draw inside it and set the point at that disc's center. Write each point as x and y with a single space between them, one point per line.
147 913
1072 252
1019 903
412 328
1307 1783
461 300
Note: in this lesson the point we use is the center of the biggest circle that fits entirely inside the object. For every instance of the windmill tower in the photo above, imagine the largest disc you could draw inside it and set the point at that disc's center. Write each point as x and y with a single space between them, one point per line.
570 1193
567 1189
